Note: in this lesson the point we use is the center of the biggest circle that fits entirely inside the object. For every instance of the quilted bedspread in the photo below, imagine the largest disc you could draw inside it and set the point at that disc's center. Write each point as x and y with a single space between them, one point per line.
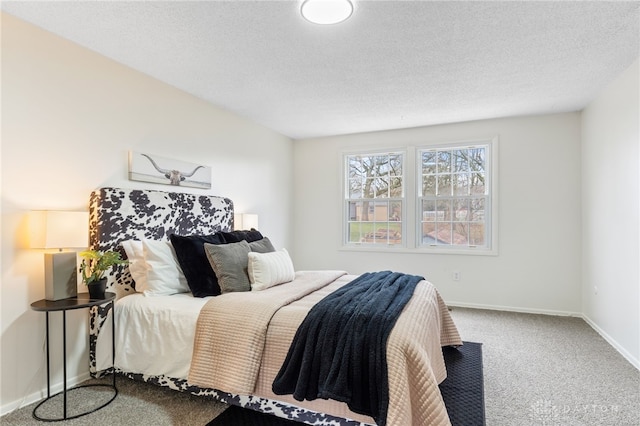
242 340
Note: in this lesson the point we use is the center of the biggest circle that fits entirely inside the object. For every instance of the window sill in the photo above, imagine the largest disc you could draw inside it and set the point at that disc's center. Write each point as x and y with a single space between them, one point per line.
418 250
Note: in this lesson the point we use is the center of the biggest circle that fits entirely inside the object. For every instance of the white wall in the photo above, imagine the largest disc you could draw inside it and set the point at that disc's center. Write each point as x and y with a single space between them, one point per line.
69 117
538 265
610 213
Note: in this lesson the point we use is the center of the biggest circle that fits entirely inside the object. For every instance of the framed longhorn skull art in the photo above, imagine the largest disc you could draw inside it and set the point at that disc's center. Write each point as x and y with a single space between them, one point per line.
152 168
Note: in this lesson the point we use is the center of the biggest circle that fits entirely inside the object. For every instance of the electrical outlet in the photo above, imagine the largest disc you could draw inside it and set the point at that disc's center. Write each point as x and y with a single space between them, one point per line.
456 275
595 290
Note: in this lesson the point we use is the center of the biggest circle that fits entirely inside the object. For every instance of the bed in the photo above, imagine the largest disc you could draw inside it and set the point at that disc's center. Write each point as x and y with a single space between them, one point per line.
202 345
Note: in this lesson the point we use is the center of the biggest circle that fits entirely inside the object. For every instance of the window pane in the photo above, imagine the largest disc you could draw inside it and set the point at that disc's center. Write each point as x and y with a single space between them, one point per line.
355 166
460 161
428 211
368 163
355 232
369 188
443 210
381 188
477 234
395 233
443 233
444 185
395 212
395 165
460 234
395 189
355 188
428 162
429 233
367 211
355 210
380 211
461 184
444 162
477 159
476 184
461 209
476 209
429 185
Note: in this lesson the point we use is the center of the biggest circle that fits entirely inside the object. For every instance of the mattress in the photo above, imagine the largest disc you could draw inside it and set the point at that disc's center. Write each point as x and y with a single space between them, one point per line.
154 335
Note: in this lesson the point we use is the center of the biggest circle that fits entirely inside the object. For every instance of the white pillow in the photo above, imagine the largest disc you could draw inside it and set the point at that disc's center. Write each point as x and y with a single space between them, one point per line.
164 275
269 269
137 264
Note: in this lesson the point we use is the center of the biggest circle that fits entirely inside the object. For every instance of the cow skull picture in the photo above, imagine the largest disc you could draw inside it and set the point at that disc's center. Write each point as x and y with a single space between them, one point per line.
143 167
174 176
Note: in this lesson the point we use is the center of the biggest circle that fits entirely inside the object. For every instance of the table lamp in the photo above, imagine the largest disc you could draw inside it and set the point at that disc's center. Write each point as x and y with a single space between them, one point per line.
58 230
245 221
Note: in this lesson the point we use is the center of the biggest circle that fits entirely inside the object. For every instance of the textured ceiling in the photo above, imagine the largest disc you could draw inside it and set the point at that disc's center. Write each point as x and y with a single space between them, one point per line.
393 64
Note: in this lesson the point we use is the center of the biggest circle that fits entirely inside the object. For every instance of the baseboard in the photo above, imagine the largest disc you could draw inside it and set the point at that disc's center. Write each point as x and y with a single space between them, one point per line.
622 351
514 309
42 393
634 361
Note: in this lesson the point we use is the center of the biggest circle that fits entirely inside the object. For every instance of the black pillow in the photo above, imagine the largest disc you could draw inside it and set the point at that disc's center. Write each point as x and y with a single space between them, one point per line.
237 236
194 263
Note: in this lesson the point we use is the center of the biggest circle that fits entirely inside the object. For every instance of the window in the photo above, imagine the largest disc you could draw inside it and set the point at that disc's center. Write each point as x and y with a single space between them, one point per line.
454 197
435 199
374 198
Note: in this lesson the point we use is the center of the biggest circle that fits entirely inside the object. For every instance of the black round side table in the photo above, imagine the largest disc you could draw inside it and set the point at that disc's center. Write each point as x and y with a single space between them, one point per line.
82 300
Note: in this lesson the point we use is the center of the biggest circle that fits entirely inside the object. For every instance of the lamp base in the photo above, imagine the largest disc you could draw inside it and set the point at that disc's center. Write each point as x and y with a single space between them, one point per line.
60 276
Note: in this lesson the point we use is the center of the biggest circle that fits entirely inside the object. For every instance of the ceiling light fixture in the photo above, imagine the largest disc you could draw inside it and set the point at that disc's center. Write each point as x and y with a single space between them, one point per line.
326 12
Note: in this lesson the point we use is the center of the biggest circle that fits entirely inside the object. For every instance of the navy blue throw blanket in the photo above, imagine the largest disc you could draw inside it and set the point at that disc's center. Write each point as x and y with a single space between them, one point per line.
339 350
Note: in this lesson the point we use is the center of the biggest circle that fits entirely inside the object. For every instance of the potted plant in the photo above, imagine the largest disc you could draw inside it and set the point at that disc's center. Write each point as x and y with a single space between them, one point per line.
94 264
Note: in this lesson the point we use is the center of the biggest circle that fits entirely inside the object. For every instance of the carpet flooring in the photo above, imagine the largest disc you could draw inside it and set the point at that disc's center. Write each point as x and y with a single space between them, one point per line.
539 370
462 392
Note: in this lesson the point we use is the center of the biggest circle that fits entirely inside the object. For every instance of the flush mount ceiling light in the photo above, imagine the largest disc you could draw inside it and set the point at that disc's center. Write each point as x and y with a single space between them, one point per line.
326 12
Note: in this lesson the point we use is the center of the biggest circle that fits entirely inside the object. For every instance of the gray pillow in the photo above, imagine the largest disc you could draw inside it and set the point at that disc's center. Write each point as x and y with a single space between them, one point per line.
230 262
262 246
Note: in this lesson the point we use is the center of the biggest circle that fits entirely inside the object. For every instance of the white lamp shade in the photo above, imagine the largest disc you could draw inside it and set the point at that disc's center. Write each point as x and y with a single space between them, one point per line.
245 221
250 221
58 229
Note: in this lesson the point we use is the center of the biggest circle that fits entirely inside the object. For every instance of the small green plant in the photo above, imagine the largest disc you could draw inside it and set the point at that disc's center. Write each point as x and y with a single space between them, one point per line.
95 263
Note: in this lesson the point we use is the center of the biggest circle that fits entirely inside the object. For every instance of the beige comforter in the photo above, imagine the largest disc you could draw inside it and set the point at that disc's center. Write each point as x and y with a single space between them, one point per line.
243 338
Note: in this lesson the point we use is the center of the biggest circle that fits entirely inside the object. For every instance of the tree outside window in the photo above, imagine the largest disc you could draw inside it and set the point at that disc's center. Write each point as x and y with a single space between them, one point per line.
454 196
375 198
451 204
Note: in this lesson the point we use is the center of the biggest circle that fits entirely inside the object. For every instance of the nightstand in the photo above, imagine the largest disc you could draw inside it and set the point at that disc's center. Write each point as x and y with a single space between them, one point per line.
81 301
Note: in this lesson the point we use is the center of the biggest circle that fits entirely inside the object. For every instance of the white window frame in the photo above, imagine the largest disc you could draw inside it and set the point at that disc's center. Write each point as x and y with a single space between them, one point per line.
411 204
346 200
491 199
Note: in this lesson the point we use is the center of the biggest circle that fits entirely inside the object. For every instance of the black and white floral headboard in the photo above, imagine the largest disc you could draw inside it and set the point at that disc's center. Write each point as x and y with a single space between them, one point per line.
117 215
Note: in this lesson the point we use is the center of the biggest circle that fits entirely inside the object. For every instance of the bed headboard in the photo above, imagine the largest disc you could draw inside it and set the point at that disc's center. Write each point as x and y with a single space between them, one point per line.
117 215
